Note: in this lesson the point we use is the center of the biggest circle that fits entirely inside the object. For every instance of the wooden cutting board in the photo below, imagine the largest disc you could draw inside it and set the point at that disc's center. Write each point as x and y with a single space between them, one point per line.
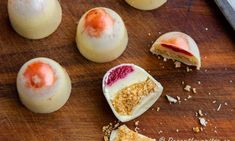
87 111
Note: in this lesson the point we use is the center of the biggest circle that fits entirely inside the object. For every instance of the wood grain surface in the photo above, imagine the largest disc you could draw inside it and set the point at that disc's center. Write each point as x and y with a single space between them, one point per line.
87 111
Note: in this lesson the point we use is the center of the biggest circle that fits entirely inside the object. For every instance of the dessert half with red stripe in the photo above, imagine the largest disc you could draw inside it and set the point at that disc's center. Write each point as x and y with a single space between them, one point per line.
130 91
43 85
178 46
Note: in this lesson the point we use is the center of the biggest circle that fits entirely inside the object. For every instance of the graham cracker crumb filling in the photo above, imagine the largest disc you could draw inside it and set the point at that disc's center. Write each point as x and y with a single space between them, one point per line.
125 134
129 97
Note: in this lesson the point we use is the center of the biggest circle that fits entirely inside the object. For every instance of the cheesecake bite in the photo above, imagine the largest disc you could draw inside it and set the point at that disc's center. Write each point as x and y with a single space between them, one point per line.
34 19
123 133
130 91
178 46
43 85
146 4
101 35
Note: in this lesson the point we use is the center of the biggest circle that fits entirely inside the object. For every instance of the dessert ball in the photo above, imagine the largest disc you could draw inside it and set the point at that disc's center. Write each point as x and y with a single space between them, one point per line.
146 4
101 35
34 19
43 85
130 91
178 46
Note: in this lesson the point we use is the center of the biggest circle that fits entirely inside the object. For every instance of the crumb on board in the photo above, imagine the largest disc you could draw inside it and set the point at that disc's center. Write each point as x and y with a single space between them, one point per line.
165 59
214 101
196 129
189 96
200 113
158 109
137 123
171 99
219 107
194 90
199 82
187 88
107 129
188 69
177 64
225 103
202 121
182 82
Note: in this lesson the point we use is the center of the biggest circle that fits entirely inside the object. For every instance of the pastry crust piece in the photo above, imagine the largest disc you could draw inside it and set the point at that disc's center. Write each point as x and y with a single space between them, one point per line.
123 133
178 46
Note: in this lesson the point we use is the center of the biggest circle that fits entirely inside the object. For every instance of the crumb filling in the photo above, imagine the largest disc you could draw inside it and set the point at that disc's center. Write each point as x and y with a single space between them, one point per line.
175 56
129 97
125 134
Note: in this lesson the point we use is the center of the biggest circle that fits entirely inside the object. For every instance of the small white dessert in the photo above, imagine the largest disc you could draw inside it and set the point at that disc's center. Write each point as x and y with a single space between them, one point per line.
130 91
146 4
101 35
34 19
178 46
123 133
43 85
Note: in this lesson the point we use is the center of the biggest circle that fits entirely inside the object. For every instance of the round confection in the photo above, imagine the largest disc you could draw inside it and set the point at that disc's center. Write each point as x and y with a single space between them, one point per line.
101 35
34 19
43 85
146 4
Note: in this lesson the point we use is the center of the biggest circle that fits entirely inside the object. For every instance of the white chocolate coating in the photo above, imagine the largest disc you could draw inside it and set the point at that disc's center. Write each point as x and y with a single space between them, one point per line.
45 99
194 60
109 45
138 75
34 19
146 4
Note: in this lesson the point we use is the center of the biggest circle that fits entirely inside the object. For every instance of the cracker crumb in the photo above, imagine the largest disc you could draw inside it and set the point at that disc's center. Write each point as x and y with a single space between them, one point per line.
165 59
149 34
231 81
199 82
106 138
187 88
177 64
214 101
189 96
137 123
218 109
158 109
200 113
209 93
196 129
160 132
206 29
194 90
159 33
202 121
188 69
182 82
177 130
225 103
159 57
171 99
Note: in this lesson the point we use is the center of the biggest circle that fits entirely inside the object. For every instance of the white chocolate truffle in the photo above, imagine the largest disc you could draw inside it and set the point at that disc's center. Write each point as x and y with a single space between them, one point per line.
43 85
130 91
146 4
34 19
178 46
101 35
123 133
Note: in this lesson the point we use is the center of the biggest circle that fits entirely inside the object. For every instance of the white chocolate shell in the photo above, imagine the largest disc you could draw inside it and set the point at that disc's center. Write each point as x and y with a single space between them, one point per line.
43 85
128 82
101 35
34 19
178 46
146 4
